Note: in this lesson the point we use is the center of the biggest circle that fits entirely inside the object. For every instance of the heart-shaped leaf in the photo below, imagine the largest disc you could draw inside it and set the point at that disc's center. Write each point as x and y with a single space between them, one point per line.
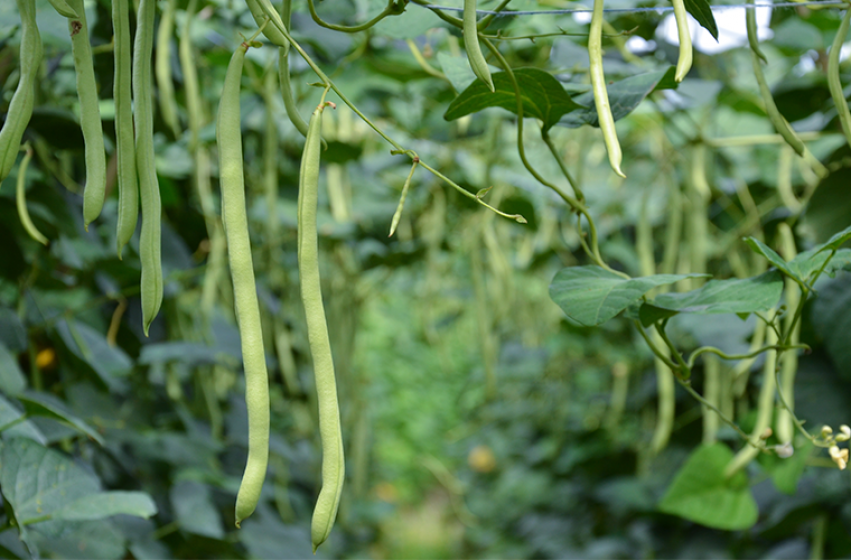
543 97
591 295
702 493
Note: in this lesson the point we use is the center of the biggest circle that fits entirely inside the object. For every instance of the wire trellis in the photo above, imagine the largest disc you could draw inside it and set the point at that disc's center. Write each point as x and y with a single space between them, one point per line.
656 9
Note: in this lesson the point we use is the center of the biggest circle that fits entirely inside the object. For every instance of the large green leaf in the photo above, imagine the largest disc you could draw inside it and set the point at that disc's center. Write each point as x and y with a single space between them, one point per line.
624 97
748 295
591 295
543 97
700 10
702 493
41 484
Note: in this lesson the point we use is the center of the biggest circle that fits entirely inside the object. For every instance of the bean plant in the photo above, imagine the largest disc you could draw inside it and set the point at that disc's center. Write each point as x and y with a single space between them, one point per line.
151 407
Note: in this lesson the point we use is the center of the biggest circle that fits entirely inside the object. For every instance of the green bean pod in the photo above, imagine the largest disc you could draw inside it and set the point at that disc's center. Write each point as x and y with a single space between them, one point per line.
90 121
598 84
21 107
149 188
64 9
780 124
753 37
229 142
194 109
685 57
270 31
333 465
284 75
168 105
21 201
125 148
833 76
471 43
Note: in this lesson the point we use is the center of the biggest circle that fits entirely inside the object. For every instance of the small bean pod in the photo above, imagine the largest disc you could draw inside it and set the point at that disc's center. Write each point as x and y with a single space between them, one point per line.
125 148
149 188
229 141
598 84
64 9
471 43
284 74
21 201
21 107
833 76
685 57
333 465
90 120
270 31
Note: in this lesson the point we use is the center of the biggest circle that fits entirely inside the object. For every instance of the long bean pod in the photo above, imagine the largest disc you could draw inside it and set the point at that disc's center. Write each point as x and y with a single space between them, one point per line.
598 84
780 124
21 107
685 56
21 201
149 188
333 466
284 74
168 105
471 43
125 148
90 121
833 76
270 31
229 142
789 359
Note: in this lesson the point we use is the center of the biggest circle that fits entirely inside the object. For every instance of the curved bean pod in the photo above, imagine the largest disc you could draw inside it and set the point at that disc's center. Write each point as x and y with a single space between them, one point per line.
284 74
685 57
149 187
21 201
168 105
64 9
598 84
90 121
229 141
471 43
270 31
333 465
21 107
833 76
125 148
780 124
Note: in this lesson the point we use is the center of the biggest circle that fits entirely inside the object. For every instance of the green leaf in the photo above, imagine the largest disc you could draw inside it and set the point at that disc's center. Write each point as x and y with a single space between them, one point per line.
649 314
38 481
772 256
702 493
591 295
12 379
105 504
457 70
727 296
624 97
836 240
700 10
806 263
40 404
543 97
23 428
196 512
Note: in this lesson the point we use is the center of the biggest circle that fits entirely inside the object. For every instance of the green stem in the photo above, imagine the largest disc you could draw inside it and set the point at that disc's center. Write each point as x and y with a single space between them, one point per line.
392 9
